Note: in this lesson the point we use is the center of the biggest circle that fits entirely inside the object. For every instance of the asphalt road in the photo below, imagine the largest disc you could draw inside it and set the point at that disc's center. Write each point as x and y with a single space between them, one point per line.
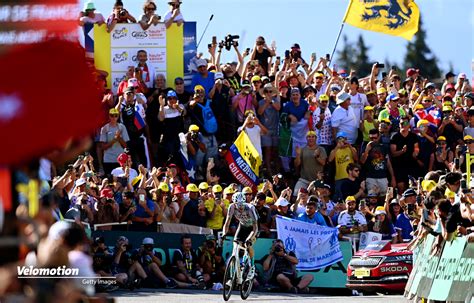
199 296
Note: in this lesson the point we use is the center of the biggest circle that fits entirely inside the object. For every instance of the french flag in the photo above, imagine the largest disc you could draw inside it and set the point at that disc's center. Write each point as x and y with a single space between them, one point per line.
138 121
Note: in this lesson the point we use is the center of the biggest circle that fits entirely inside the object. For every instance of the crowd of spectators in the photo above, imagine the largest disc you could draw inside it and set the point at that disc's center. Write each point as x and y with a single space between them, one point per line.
386 154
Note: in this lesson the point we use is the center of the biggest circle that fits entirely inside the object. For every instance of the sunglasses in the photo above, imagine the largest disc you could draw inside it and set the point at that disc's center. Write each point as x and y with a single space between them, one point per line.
151 9
129 93
442 142
469 142
179 83
406 123
248 194
174 182
320 78
356 170
113 116
323 101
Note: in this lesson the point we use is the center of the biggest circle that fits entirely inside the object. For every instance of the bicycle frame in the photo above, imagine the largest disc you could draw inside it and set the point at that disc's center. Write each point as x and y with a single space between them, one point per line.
237 247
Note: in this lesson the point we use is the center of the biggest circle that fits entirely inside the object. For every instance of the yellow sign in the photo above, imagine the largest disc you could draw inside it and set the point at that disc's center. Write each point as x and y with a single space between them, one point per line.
392 17
248 152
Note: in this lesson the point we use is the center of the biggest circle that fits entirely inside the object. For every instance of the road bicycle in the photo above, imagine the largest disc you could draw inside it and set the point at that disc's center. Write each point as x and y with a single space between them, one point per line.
238 273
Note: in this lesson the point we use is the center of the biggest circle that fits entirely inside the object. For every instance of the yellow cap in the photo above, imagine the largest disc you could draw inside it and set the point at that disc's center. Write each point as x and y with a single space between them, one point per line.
323 97
402 91
311 133
164 187
419 106
447 108
229 190
268 200
428 185
414 94
350 198
422 122
319 75
441 138
427 98
467 137
248 112
447 103
381 90
380 208
191 187
370 92
247 190
449 193
203 186
136 180
198 87
386 120
113 111
255 78
368 107
193 128
260 186
217 188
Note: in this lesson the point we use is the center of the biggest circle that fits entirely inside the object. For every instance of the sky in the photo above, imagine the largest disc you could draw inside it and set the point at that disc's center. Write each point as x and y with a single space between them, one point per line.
314 24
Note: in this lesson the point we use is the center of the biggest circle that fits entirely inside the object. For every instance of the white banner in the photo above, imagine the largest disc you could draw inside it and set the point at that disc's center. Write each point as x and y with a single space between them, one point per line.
367 238
127 39
315 246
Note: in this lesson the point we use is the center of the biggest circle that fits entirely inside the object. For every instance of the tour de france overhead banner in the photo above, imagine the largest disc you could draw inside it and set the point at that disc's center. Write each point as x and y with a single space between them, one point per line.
114 52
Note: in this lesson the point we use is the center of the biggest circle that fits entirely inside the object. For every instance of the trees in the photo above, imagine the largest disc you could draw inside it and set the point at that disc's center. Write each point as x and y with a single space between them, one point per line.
419 55
355 57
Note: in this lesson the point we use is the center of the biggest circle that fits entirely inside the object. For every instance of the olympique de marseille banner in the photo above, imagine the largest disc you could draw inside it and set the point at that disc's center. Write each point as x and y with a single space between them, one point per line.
244 161
315 246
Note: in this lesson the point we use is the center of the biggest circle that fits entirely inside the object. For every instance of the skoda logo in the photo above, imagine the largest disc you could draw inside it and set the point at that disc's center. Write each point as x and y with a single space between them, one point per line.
139 35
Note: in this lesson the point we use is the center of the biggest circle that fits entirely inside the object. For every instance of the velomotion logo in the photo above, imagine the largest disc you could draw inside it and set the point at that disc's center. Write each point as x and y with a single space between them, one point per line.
35 272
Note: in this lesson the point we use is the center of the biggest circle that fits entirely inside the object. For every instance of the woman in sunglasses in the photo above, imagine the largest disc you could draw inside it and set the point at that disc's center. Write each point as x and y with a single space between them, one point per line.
174 14
149 17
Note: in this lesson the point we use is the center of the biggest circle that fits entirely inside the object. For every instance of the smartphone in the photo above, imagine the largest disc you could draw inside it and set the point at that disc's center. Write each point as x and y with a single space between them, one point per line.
278 58
313 56
214 40
390 191
456 163
394 68
141 197
328 57
384 74
362 203
287 54
380 65
209 46
464 186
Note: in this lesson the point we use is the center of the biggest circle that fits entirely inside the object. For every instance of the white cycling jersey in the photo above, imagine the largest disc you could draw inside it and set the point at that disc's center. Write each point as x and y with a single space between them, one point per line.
246 215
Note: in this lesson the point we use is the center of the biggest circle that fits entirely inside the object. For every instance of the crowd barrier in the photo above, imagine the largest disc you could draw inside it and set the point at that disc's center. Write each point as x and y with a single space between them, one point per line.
442 275
333 276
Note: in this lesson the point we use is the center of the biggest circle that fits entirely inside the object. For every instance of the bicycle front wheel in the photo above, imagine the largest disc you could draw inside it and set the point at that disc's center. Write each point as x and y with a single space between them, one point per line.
229 278
246 286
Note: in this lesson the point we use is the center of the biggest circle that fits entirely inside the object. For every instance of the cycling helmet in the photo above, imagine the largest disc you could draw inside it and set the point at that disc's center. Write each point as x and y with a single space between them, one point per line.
238 198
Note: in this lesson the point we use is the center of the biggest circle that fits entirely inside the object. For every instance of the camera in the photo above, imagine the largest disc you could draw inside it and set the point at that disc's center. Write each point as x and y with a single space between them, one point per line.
380 65
122 13
194 136
230 40
278 248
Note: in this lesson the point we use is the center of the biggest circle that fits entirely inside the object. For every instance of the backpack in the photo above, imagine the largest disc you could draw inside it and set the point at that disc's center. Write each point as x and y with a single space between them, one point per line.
208 119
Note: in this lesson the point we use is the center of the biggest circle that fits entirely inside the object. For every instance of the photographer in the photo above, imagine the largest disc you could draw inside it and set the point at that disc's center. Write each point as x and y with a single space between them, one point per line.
193 141
81 210
149 17
151 262
280 269
119 15
174 14
244 101
107 209
211 262
126 266
261 52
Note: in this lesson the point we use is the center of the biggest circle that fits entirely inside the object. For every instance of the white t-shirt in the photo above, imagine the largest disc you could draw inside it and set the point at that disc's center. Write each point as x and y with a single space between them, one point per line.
358 102
346 121
177 18
345 219
255 137
324 134
98 18
119 172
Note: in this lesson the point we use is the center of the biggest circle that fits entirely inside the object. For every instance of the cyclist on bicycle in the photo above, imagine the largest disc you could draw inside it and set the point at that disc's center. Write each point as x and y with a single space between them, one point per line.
248 223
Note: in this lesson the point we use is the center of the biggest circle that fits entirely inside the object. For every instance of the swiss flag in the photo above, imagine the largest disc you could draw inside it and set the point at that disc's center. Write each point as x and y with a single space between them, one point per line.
48 95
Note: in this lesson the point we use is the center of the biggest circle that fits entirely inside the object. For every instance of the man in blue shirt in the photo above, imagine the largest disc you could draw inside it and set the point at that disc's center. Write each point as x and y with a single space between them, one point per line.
311 215
297 108
203 77
143 218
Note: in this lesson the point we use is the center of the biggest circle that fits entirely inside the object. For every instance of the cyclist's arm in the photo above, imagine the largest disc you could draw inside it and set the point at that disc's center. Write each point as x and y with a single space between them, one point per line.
254 231
230 214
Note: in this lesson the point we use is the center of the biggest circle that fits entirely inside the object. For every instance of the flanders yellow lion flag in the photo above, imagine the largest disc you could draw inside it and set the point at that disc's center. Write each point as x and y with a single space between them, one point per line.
392 17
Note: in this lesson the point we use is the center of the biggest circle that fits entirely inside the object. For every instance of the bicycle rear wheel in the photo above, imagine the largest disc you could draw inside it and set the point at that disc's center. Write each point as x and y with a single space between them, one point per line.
246 286
229 278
